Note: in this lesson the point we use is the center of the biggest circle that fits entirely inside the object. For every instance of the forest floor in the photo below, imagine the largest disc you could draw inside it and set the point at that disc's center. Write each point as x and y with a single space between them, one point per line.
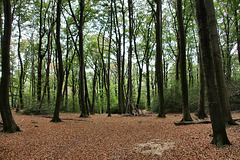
116 137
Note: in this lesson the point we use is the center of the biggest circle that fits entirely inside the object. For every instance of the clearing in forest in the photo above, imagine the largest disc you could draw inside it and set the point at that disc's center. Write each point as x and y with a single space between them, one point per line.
116 137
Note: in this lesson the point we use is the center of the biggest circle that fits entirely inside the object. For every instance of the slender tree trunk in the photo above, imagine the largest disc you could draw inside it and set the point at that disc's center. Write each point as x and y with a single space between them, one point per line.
73 90
9 124
108 72
219 133
226 21
92 111
47 80
221 84
201 105
60 73
130 89
123 58
83 105
87 100
32 68
186 111
67 71
118 36
48 66
238 33
148 83
140 76
158 62
147 57
21 65
40 57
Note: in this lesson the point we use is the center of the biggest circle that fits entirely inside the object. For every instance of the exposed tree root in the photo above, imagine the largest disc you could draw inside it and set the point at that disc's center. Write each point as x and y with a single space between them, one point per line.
191 122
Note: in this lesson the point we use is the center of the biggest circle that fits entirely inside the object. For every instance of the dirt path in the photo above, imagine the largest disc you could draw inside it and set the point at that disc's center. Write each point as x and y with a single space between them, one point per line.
116 137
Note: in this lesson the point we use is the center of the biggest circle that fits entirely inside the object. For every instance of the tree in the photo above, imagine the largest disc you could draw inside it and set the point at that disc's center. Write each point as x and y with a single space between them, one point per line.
219 132
182 36
9 124
60 73
81 63
221 84
130 86
158 62
40 55
201 106
108 71
20 59
119 59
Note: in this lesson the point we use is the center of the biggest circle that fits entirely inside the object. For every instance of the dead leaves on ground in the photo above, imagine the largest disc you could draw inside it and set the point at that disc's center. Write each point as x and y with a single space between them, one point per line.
116 137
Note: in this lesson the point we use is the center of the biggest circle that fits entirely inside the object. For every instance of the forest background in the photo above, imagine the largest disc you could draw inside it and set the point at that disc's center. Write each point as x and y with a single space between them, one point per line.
101 56
108 55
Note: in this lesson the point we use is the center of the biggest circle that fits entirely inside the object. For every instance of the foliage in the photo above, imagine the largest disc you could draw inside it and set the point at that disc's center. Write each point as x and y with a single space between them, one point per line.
35 110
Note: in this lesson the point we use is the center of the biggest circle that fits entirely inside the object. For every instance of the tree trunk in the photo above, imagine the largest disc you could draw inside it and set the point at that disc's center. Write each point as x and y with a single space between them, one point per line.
21 64
73 90
32 67
60 74
219 133
147 57
47 80
130 89
186 111
49 50
123 59
87 100
40 57
92 111
158 62
9 124
118 37
140 76
221 84
81 64
201 114
148 83
238 34
108 71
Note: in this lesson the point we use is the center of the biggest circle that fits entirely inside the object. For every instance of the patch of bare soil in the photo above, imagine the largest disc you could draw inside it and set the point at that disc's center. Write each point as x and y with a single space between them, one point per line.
116 137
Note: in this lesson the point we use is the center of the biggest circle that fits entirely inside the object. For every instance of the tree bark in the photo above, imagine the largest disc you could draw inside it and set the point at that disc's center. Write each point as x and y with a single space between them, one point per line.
201 114
123 59
238 34
118 36
21 64
9 124
219 132
92 111
73 90
108 71
186 111
130 89
221 83
60 73
81 63
158 62
40 57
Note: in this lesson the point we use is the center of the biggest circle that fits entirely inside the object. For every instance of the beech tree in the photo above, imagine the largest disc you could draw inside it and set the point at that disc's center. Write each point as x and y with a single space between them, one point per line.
182 37
158 62
9 124
60 73
219 132
221 84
